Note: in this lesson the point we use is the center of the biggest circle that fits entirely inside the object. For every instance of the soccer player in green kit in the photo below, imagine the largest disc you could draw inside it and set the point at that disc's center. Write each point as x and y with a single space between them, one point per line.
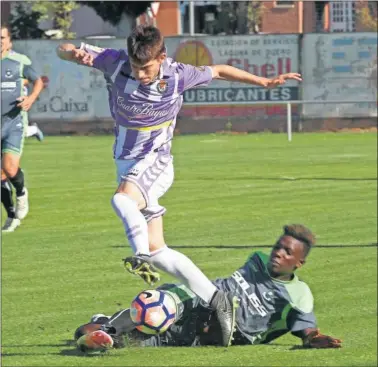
15 68
273 301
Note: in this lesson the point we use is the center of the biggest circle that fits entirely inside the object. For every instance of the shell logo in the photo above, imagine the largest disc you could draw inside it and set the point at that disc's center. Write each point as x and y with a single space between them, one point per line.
193 53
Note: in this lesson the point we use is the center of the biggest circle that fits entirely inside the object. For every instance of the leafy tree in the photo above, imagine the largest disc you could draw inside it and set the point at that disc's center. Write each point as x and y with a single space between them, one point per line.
61 11
368 16
254 14
112 11
23 22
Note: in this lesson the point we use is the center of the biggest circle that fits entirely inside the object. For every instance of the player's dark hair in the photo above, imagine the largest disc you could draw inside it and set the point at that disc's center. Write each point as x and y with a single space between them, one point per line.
145 43
301 233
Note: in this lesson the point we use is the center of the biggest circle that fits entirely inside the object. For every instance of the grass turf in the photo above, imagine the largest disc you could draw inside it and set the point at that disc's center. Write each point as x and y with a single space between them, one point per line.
231 196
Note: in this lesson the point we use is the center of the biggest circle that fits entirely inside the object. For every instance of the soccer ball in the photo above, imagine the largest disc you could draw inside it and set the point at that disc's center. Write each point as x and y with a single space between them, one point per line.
153 311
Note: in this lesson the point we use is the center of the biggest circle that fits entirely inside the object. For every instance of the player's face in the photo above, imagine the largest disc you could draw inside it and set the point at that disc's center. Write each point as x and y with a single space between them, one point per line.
287 255
5 40
146 73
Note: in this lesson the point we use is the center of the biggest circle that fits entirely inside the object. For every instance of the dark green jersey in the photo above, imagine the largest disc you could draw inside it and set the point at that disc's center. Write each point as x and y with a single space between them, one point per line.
14 68
269 307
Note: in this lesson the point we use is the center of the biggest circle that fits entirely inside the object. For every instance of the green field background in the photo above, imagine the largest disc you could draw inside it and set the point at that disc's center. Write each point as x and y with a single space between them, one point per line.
231 196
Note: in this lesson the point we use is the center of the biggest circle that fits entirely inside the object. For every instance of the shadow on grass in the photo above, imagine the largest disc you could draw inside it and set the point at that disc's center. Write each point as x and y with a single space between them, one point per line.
277 345
300 347
288 178
267 246
22 354
73 352
238 247
64 343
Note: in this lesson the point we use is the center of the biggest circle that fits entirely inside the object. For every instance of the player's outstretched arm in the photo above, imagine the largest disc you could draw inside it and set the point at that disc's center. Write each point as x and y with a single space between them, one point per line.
312 338
69 52
230 73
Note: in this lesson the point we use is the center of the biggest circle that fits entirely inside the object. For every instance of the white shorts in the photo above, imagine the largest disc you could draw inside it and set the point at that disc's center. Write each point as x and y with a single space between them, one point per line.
153 175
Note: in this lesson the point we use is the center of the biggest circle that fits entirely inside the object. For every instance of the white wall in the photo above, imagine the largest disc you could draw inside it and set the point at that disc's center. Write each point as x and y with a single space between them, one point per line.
341 67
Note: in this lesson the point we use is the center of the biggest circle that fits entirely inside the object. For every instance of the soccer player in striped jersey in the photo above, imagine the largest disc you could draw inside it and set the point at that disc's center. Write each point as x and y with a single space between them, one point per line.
147 93
273 302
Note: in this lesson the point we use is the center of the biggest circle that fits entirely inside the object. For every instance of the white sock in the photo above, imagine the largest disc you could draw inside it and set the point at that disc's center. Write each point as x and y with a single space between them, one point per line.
178 265
31 130
134 222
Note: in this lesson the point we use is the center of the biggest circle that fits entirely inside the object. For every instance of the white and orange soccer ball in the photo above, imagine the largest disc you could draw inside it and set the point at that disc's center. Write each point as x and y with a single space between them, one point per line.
153 311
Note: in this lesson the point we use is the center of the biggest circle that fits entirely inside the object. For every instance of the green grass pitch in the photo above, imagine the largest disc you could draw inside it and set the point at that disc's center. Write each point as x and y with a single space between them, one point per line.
231 196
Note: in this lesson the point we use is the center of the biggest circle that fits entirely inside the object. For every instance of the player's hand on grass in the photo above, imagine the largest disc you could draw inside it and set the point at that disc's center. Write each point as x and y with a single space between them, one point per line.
25 102
317 340
82 57
281 79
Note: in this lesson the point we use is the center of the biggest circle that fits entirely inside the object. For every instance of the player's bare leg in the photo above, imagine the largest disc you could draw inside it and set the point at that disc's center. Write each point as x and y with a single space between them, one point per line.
156 239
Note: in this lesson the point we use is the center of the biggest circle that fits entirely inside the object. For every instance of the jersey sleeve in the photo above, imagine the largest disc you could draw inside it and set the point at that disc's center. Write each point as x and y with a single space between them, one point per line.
301 315
194 76
301 298
105 59
28 71
298 321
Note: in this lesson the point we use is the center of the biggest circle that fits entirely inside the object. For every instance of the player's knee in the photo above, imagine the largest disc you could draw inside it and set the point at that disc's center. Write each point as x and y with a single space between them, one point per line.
10 169
10 165
133 192
122 202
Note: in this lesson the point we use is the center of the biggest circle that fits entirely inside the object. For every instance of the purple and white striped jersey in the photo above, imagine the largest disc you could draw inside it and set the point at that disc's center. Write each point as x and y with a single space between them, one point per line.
145 115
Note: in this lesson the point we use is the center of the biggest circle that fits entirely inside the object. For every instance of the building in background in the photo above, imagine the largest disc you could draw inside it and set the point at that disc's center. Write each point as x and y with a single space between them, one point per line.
167 18
5 10
231 17
226 17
